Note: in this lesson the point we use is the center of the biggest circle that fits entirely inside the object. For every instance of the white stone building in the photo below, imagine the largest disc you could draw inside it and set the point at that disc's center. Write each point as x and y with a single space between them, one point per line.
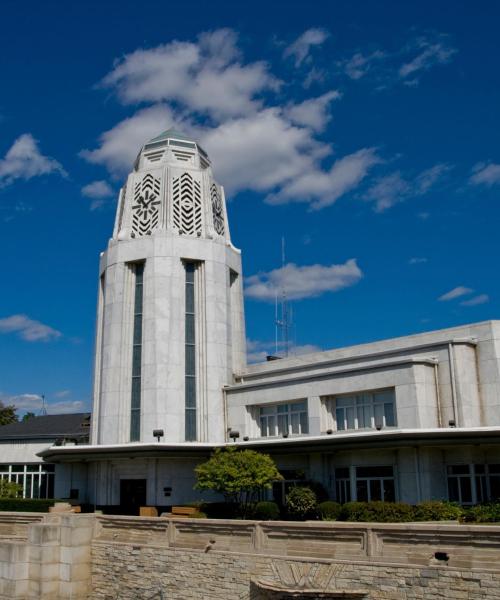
408 419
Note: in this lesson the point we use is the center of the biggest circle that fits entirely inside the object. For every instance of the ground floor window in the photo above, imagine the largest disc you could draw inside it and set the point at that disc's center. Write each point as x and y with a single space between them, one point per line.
291 478
37 480
375 483
342 485
370 483
473 484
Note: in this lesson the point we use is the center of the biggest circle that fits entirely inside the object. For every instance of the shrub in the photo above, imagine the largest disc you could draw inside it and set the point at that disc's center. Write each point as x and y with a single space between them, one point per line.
266 511
329 510
300 502
220 510
198 515
26 504
437 510
318 488
9 489
377 512
482 513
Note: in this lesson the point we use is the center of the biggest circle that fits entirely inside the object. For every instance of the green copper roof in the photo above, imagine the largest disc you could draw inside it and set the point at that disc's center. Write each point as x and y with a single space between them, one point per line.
171 133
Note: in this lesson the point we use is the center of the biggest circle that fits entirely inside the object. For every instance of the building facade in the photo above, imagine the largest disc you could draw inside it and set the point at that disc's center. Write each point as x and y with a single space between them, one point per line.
408 419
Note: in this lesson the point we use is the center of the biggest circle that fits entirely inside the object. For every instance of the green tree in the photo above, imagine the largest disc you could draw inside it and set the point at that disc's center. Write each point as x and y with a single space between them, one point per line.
9 489
28 415
300 502
8 414
237 474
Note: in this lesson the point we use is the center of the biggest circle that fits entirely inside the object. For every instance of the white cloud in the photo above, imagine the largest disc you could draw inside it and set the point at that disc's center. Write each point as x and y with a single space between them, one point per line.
430 51
485 174
300 49
98 191
455 293
394 188
314 112
63 394
24 160
302 281
322 188
33 403
479 299
119 146
28 329
263 148
206 76
359 64
417 260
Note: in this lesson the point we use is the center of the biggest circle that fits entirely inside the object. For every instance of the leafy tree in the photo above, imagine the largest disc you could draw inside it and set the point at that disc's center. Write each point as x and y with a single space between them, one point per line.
8 414
28 415
237 474
9 489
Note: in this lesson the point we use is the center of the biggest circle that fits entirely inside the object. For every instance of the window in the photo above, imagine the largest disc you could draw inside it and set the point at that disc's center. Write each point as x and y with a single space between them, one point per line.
342 485
190 354
373 410
37 480
375 483
472 484
284 419
135 408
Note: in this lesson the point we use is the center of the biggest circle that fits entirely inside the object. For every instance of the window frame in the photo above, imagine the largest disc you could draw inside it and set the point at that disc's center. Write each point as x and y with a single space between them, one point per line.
284 419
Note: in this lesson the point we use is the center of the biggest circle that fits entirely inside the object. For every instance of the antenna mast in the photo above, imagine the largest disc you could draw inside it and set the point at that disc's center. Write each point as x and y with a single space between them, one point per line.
43 410
283 320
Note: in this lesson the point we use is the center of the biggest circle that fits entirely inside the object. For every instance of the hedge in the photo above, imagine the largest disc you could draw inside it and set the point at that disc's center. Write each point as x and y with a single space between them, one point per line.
266 511
329 510
26 504
482 513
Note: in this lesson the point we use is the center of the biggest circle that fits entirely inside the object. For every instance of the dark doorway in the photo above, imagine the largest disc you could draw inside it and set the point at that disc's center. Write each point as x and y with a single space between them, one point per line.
132 495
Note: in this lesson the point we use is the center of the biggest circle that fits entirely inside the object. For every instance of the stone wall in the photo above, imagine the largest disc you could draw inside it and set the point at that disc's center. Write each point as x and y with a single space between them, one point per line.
217 560
77 557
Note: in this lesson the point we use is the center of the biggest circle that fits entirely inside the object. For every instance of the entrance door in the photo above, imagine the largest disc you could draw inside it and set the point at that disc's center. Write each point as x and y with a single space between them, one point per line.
132 495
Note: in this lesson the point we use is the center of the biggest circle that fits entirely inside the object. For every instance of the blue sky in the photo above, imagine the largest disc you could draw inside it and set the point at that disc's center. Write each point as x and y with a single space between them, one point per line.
366 133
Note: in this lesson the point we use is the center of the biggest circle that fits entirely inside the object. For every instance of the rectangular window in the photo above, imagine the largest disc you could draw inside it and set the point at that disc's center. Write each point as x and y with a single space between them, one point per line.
473 484
190 352
375 483
342 485
37 480
284 419
135 400
374 410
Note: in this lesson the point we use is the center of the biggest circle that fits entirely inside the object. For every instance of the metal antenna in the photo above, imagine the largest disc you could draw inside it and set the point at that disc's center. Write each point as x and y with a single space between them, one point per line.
283 321
43 410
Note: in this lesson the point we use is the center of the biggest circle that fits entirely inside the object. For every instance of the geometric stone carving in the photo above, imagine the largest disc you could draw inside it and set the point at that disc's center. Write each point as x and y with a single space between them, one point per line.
186 205
302 580
217 210
145 211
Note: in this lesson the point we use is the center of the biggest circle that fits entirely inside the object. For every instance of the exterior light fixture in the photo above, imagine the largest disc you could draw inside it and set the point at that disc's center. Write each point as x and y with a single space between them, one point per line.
329 431
234 435
158 433
451 423
246 438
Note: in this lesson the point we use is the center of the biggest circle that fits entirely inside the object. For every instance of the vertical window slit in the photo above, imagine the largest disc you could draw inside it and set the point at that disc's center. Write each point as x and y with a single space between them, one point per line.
190 354
135 406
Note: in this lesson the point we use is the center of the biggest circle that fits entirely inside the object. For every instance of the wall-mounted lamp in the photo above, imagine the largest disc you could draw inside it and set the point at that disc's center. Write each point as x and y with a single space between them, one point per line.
285 435
234 435
158 433
451 423
329 431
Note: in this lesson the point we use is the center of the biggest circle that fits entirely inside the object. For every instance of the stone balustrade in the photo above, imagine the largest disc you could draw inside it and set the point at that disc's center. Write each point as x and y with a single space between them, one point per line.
77 557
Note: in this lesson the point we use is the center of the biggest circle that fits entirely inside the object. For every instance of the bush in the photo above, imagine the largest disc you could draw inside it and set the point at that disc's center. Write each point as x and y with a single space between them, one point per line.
300 503
377 512
437 510
329 510
220 510
26 504
482 513
9 489
198 515
266 511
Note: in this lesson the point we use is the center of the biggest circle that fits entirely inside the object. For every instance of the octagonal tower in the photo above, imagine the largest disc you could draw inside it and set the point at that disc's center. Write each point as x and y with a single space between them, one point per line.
170 322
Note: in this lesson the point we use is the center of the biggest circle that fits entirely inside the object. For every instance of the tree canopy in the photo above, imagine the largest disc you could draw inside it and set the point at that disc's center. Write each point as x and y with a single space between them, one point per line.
8 414
237 474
